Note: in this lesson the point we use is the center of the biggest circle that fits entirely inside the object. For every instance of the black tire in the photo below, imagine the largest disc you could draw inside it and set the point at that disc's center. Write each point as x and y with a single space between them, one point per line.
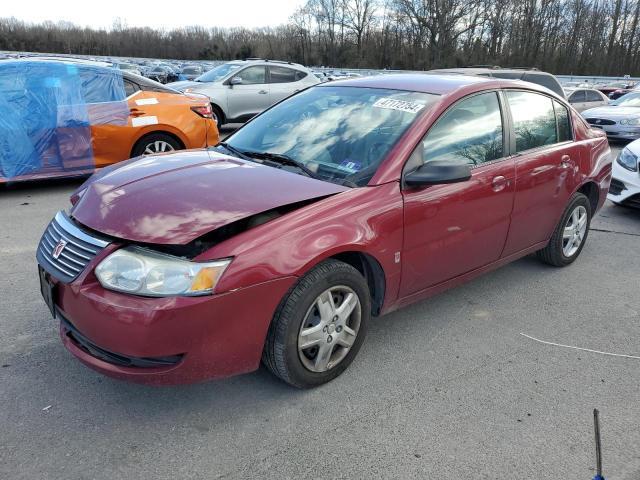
280 353
150 139
218 116
553 253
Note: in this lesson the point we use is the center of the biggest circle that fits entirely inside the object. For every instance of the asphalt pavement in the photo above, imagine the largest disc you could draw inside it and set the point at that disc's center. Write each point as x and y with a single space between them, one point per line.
444 389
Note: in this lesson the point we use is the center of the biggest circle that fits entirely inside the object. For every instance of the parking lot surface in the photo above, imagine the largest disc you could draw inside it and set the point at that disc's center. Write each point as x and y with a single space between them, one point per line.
447 388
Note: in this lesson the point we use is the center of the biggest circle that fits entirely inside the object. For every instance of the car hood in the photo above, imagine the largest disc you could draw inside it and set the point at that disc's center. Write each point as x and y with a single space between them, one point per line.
178 197
611 112
181 85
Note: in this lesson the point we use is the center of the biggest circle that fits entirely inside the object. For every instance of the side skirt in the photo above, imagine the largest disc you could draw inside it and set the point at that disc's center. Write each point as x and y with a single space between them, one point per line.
460 279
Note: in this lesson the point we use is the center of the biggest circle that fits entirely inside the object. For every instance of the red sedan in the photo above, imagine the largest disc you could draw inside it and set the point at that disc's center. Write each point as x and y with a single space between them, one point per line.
346 201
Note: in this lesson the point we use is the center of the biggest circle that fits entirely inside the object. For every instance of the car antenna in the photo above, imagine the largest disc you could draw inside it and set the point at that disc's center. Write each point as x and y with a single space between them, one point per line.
596 428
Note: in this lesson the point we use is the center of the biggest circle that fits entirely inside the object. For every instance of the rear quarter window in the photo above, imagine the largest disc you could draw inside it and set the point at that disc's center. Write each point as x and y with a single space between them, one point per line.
565 132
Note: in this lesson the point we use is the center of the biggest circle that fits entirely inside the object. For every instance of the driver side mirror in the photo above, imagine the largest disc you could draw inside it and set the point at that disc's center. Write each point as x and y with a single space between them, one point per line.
235 81
438 172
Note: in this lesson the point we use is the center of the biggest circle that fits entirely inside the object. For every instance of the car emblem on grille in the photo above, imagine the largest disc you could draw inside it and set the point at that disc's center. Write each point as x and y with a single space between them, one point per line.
57 250
598 121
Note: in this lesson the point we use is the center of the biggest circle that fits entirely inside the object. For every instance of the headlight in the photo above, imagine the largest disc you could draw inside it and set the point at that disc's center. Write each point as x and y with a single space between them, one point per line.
630 121
144 272
628 160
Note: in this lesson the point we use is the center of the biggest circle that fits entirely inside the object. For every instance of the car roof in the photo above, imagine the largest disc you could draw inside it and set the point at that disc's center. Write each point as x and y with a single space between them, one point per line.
266 61
434 83
479 70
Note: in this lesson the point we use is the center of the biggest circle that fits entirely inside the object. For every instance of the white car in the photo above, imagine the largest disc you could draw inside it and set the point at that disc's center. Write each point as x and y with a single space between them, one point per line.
241 89
585 98
625 182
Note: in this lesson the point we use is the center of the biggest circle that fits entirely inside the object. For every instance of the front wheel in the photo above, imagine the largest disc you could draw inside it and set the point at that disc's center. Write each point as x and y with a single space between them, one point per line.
570 234
319 326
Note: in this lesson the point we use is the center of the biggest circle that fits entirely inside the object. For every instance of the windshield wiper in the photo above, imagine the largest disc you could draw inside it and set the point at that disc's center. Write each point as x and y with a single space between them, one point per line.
235 151
283 160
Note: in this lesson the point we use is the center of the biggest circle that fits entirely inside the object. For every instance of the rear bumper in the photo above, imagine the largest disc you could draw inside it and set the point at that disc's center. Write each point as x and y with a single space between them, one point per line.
165 341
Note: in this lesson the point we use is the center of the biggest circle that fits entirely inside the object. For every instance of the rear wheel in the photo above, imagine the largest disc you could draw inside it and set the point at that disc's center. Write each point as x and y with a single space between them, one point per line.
156 143
320 326
570 234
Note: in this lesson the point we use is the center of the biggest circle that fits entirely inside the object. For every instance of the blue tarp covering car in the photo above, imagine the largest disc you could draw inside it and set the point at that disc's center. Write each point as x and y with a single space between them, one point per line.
47 108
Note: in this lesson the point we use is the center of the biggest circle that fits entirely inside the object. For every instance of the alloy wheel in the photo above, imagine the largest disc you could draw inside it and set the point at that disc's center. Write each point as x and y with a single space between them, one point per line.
574 231
158 146
329 329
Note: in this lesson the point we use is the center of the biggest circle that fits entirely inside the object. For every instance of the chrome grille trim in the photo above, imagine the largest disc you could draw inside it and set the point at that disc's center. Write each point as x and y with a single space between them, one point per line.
79 250
69 227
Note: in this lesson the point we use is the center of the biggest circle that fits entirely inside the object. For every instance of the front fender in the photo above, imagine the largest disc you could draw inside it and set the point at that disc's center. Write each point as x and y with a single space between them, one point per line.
367 220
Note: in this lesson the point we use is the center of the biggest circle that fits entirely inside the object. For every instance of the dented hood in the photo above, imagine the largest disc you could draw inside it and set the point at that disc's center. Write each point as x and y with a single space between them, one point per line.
178 197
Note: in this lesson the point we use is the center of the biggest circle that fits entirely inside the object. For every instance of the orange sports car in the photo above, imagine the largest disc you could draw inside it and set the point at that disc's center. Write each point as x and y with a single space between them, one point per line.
66 118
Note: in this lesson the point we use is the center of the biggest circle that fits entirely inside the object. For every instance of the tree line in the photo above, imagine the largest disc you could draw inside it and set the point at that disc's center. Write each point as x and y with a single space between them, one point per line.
595 37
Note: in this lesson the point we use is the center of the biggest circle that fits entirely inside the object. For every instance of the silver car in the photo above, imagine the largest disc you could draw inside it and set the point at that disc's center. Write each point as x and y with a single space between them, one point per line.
241 89
620 119
585 98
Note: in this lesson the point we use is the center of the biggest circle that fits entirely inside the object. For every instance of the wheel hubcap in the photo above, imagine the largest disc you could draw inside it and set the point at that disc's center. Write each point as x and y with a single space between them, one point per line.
158 146
574 231
329 329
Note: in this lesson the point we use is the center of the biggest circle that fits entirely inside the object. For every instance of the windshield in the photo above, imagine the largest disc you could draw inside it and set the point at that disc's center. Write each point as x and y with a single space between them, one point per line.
341 134
217 73
628 100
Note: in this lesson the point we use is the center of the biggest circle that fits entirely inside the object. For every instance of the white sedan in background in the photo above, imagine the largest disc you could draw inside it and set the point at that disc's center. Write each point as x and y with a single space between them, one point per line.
625 182
585 98
620 120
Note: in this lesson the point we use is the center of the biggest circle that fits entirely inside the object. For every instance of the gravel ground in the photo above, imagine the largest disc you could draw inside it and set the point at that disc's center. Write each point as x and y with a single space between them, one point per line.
447 388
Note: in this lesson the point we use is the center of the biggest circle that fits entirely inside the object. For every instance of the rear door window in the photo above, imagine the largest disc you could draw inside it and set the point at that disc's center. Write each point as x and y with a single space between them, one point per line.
130 88
593 96
282 75
534 120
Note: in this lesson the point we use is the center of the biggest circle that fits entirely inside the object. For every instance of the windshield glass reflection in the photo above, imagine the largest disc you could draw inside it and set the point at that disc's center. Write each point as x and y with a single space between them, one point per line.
341 134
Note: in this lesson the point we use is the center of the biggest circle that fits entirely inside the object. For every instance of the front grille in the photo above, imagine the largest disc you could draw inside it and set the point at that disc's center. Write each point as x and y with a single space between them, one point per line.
616 187
65 250
600 121
100 353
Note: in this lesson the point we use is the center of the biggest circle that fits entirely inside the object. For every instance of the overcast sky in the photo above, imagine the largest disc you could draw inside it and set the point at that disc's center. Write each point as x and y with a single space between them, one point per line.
157 14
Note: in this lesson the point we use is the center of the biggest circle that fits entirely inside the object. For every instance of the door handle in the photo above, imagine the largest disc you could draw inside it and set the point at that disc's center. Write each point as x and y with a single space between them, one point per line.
134 112
262 92
565 161
499 183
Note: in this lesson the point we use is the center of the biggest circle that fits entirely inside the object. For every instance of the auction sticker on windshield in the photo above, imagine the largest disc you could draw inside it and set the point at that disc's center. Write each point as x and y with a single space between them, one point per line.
401 105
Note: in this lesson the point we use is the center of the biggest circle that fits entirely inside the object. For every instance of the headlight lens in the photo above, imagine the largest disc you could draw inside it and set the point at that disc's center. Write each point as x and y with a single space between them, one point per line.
630 121
628 160
144 272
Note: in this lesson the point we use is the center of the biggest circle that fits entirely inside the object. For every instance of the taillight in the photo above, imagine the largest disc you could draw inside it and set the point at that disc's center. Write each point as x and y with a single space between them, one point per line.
204 111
